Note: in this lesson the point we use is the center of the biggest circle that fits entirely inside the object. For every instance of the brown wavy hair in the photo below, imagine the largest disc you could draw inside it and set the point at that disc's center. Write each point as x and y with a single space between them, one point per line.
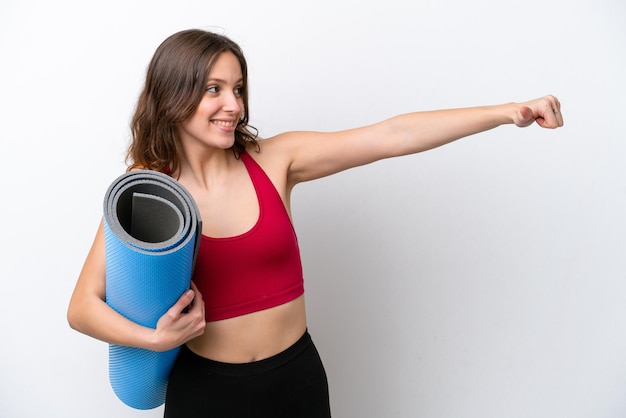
175 84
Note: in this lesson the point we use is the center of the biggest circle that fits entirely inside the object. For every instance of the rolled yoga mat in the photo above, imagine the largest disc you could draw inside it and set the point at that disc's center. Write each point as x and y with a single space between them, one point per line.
152 230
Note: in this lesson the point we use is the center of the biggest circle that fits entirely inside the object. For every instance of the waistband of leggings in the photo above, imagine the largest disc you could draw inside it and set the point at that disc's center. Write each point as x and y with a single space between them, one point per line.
252 368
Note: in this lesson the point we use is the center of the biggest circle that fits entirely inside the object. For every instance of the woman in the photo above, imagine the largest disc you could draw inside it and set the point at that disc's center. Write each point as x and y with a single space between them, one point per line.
246 350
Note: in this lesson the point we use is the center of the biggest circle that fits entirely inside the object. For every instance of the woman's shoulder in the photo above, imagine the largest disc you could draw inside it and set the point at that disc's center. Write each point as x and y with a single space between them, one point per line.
167 170
272 155
272 148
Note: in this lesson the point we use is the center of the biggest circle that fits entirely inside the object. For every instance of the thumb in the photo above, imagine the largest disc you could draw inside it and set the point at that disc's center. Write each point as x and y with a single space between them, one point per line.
183 302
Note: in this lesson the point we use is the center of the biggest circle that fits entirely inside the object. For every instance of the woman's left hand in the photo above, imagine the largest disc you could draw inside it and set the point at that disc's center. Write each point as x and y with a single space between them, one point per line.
546 111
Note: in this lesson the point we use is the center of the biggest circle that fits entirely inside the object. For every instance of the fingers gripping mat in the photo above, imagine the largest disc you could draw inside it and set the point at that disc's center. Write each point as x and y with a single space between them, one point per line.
152 229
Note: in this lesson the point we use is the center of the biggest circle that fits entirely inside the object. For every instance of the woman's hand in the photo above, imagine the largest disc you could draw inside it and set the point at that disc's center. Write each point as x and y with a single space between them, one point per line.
182 322
546 111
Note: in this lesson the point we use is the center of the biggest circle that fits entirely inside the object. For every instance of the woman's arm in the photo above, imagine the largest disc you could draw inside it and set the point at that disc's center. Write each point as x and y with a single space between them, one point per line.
88 312
313 155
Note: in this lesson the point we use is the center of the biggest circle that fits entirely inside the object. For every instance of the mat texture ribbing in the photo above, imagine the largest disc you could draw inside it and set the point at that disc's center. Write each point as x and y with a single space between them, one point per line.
152 229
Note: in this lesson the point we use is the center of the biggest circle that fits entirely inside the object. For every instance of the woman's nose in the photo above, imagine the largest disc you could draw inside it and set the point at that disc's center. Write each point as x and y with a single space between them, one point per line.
232 103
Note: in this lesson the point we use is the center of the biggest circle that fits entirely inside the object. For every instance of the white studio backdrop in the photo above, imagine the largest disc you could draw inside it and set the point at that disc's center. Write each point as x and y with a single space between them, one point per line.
482 279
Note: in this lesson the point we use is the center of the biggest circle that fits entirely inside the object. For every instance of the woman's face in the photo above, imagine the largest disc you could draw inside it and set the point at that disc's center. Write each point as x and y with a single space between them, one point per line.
214 121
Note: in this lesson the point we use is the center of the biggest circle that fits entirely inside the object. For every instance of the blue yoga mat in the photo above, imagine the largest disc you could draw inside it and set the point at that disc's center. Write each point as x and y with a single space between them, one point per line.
152 230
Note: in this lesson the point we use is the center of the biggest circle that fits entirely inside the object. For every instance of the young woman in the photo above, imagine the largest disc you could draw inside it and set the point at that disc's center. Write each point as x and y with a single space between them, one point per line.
246 350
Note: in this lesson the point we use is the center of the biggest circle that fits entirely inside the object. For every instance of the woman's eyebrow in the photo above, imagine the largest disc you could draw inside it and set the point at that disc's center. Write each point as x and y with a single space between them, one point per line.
221 81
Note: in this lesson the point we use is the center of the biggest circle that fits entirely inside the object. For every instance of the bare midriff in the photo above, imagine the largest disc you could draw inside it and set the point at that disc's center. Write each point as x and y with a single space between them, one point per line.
252 337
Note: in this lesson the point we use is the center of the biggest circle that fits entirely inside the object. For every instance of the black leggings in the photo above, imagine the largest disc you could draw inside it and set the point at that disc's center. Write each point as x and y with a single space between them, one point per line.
290 384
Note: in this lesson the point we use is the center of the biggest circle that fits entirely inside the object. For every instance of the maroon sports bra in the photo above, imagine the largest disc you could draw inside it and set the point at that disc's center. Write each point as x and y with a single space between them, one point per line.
256 270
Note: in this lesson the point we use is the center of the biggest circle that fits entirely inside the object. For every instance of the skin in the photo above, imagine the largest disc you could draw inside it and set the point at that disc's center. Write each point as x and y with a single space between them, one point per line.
211 173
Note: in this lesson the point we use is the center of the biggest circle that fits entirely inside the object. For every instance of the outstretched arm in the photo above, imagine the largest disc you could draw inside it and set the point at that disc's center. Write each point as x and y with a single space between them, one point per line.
313 155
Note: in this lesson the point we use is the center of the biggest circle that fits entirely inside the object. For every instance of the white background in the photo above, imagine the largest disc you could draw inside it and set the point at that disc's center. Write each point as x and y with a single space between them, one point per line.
482 279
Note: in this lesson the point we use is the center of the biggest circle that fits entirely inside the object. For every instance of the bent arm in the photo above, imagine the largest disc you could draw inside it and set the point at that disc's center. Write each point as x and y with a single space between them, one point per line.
89 314
314 155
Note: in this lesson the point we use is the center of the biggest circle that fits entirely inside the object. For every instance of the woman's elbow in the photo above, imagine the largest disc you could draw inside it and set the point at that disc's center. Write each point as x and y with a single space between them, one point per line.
76 314
73 317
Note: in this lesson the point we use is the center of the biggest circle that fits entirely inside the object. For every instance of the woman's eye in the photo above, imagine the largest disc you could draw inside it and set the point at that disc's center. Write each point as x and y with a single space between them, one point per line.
238 91
212 89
